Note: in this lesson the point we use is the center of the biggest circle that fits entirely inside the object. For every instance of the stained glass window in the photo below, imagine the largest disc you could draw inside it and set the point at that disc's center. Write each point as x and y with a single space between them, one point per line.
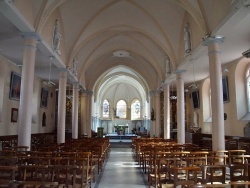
136 109
105 110
121 109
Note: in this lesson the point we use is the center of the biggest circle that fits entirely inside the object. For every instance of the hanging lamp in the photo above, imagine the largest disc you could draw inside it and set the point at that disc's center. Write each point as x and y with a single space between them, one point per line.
49 82
70 94
172 96
193 85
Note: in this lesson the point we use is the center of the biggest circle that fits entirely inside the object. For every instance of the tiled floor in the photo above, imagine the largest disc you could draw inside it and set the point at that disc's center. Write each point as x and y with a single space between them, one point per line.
121 171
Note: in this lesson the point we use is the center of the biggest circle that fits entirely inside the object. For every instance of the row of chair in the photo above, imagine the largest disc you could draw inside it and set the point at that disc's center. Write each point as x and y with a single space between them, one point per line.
58 165
47 171
171 169
169 164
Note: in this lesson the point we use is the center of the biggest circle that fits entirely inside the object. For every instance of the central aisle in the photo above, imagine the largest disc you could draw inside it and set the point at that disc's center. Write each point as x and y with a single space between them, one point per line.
121 171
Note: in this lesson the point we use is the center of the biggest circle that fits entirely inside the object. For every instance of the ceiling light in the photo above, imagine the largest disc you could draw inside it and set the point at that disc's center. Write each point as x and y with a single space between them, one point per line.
121 53
172 96
70 95
49 82
246 54
219 37
193 85
225 70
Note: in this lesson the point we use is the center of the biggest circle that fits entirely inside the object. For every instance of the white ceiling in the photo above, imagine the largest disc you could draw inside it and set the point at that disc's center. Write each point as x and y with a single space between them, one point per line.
145 29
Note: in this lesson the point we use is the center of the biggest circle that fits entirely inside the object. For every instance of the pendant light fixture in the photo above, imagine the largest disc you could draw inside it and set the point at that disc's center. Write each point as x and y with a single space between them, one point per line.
172 96
194 85
70 94
49 82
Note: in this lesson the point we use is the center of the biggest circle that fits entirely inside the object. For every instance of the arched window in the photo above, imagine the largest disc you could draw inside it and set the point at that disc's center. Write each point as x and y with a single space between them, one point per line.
135 109
105 109
248 87
121 109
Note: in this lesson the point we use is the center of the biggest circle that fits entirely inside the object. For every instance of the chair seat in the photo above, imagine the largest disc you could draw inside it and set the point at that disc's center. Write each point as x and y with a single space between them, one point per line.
167 185
210 185
37 183
157 175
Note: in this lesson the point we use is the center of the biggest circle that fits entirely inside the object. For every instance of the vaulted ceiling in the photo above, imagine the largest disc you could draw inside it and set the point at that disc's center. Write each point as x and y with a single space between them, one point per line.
132 37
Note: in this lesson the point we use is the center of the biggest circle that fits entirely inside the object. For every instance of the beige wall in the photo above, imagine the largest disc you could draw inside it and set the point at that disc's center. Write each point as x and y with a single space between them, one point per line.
235 109
6 126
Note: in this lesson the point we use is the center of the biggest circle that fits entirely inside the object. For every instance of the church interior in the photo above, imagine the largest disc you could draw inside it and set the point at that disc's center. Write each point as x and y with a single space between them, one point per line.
86 73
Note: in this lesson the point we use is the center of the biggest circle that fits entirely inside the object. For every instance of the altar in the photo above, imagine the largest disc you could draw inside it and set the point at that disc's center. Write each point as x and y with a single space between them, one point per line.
120 129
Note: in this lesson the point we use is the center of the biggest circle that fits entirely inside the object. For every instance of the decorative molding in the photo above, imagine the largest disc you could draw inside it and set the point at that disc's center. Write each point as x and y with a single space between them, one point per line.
34 35
207 40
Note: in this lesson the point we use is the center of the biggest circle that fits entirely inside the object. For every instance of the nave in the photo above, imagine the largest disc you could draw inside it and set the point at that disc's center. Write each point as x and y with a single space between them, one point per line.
121 171
102 162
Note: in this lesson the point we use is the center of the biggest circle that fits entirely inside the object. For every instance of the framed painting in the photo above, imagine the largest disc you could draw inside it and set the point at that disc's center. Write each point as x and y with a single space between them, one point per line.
14 115
195 98
15 86
44 98
225 89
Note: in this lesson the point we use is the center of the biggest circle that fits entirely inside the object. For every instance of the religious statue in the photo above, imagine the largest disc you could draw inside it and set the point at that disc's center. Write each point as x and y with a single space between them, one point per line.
114 109
44 120
187 39
168 66
75 66
195 119
57 37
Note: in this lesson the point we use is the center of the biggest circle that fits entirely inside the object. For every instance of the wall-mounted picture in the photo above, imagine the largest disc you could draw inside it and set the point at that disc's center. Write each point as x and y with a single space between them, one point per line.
15 86
14 115
225 89
195 98
44 98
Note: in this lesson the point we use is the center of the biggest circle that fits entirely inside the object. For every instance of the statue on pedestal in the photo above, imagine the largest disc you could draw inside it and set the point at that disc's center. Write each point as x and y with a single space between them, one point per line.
74 66
187 39
57 37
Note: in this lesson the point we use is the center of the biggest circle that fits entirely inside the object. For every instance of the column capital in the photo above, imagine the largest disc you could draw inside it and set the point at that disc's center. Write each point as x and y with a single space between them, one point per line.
151 93
63 70
63 74
166 85
89 92
179 71
34 35
76 84
212 39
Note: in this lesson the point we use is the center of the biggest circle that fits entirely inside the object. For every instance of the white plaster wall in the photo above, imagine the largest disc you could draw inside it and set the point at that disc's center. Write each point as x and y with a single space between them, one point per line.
240 93
235 108
6 126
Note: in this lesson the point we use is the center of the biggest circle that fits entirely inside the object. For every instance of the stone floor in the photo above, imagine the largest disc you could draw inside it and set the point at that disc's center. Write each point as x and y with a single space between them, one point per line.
120 170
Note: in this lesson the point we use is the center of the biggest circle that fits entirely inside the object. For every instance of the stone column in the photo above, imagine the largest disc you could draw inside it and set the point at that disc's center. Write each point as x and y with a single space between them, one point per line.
157 115
27 83
180 107
152 121
61 107
83 113
75 111
89 110
214 54
166 112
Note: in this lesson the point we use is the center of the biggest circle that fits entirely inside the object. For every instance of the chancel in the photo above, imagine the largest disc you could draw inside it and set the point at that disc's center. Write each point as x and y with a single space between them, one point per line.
121 129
